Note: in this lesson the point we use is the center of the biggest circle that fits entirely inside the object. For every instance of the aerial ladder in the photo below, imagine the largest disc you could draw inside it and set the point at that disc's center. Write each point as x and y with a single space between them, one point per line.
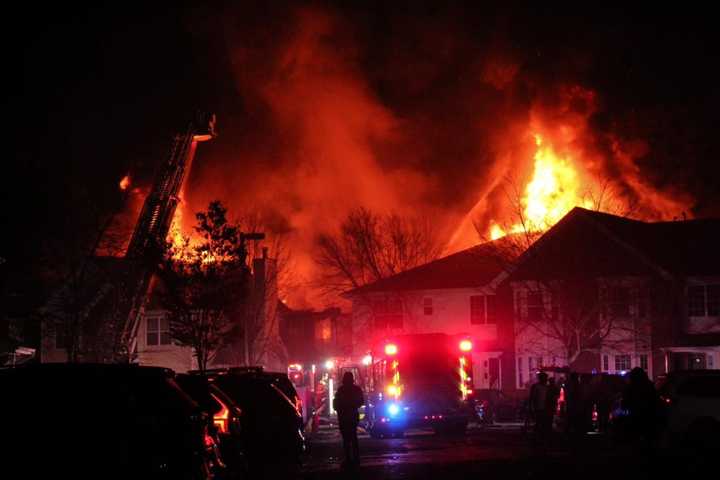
155 219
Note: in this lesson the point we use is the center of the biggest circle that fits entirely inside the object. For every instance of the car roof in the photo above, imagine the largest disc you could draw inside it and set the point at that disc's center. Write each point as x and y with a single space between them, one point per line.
84 368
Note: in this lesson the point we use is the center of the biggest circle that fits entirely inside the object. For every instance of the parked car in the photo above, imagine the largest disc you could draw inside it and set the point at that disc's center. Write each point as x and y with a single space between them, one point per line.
690 402
270 419
224 420
101 421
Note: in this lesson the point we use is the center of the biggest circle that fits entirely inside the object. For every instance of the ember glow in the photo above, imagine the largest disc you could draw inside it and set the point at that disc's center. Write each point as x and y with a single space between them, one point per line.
125 183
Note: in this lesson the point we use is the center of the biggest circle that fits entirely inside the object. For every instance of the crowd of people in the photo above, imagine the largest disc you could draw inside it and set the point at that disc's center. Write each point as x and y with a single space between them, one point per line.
588 402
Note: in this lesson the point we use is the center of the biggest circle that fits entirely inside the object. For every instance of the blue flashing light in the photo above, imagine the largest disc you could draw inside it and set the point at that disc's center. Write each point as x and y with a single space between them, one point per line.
393 409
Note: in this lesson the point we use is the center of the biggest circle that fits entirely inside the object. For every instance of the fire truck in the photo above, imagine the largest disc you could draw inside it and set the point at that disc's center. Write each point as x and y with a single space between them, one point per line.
419 381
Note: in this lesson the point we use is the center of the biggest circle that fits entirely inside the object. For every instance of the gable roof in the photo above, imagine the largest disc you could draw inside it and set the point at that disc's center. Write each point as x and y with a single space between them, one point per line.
617 245
471 268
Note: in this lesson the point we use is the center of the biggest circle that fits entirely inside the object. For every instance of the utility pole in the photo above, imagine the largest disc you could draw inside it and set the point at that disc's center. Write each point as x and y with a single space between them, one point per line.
243 237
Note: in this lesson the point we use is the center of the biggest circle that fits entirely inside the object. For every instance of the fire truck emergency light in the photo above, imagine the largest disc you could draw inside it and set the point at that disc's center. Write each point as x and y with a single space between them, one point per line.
465 345
391 349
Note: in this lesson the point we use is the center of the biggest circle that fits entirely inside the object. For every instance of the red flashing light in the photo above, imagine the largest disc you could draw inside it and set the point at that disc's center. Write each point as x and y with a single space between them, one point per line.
391 349
465 345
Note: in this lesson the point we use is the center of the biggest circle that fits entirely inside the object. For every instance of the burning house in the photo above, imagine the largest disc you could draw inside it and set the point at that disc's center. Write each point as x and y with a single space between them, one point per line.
604 293
595 293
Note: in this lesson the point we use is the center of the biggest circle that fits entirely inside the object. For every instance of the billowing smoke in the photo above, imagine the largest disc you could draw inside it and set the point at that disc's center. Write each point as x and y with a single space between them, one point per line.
426 114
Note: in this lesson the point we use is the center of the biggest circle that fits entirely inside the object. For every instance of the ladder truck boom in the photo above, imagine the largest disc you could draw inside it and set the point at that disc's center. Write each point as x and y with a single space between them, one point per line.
156 216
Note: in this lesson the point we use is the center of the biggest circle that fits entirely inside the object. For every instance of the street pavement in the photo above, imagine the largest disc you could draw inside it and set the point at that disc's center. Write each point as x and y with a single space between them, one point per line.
499 452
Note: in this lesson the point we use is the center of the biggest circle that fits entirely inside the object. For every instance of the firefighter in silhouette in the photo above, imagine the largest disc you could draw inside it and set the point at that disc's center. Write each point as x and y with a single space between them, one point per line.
348 399
539 403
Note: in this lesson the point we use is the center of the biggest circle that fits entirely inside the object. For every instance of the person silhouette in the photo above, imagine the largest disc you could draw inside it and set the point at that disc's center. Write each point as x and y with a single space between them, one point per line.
640 400
348 399
539 408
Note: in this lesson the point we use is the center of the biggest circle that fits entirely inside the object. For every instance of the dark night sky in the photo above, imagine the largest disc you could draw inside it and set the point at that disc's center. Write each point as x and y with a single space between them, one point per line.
100 90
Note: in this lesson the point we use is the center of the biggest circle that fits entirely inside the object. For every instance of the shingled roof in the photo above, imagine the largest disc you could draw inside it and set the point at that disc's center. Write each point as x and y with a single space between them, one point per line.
684 247
475 267
585 241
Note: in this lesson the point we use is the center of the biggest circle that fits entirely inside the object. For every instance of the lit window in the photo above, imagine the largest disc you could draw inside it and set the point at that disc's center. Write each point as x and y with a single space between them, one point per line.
622 362
158 331
427 306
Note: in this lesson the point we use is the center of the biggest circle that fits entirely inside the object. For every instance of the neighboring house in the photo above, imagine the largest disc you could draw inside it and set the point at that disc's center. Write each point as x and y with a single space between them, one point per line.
156 347
311 337
154 343
607 294
84 312
456 295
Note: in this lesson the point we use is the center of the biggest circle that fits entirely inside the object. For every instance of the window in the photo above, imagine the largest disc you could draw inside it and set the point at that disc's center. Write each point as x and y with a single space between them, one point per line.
606 363
490 304
704 301
158 331
696 301
427 306
713 300
622 362
521 380
710 364
644 362
535 309
643 302
61 339
619 302
388 313
482 309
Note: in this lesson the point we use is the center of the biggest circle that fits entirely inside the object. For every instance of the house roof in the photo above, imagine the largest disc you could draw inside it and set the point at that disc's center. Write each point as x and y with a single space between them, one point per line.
471 268
615 245
612 245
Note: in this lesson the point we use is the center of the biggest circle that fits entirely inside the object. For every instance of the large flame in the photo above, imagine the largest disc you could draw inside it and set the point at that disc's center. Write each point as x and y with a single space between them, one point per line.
555 188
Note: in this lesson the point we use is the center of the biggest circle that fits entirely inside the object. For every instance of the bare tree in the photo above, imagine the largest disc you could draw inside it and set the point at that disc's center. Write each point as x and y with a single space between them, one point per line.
371 246
82 280
559 314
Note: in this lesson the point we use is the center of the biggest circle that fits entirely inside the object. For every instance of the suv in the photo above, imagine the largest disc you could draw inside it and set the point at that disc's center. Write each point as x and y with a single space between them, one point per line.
224 419
75 420
691 407
270 419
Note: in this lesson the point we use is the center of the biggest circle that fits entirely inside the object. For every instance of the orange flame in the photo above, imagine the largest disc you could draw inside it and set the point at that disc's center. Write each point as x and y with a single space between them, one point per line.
125 183
551 193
